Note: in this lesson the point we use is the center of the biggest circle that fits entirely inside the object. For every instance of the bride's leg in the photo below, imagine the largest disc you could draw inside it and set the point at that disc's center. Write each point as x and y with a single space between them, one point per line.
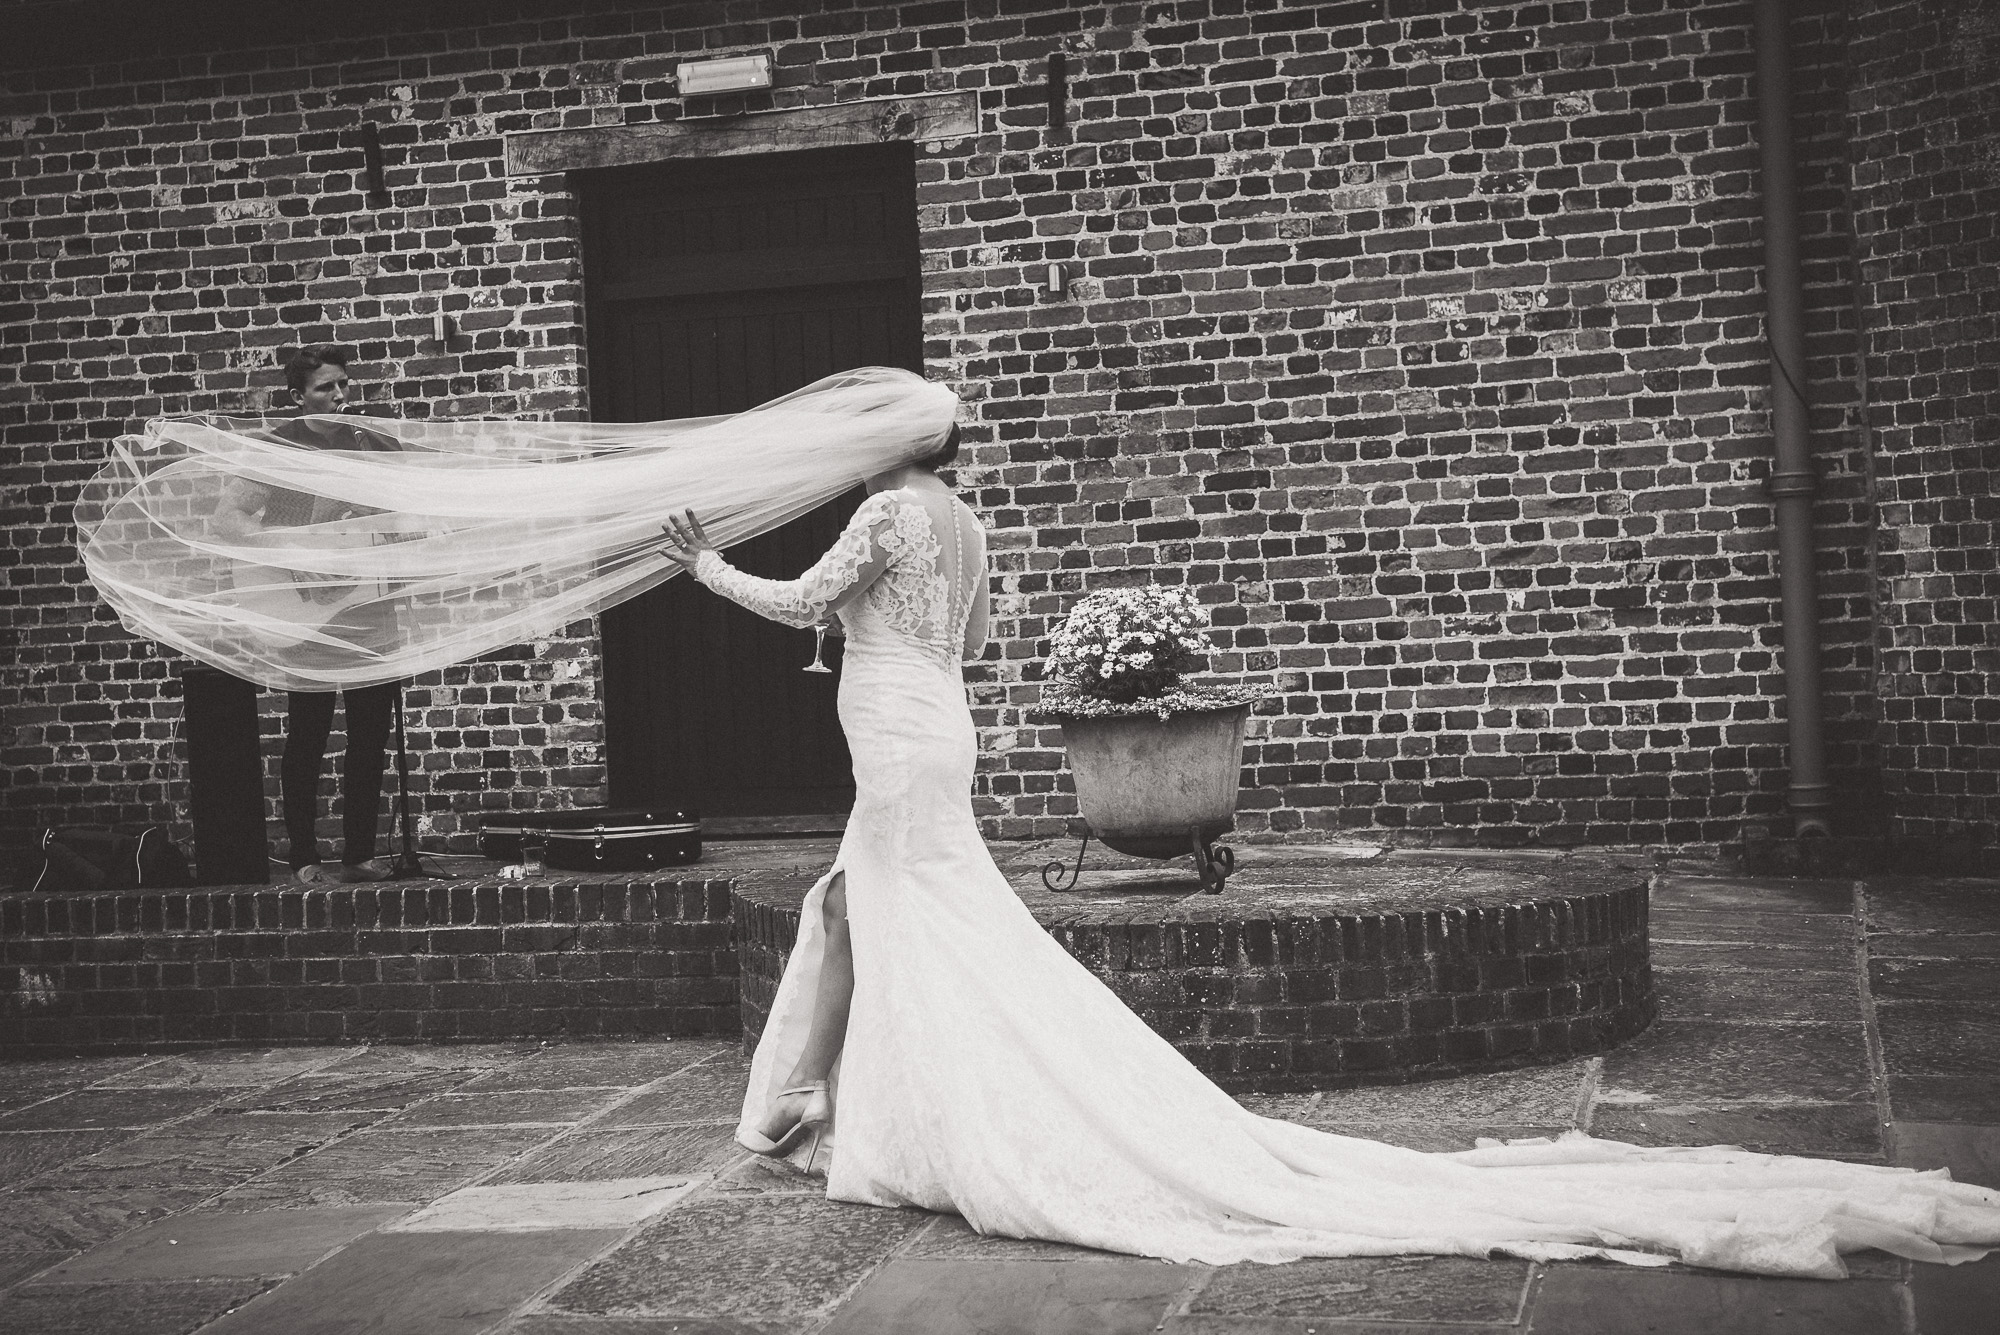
830 1005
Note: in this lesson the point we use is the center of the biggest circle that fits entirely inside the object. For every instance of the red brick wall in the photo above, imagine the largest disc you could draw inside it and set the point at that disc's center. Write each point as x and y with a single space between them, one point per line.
1423 338
1926 195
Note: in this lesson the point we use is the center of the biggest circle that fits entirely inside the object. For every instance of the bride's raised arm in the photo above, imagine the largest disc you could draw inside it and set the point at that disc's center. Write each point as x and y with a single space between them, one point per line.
854 562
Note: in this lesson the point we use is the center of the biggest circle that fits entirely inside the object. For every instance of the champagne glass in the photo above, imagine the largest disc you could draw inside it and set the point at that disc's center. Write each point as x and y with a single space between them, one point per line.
819 649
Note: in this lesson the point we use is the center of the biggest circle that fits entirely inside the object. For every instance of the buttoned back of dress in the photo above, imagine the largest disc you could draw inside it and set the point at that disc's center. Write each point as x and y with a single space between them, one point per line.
922 598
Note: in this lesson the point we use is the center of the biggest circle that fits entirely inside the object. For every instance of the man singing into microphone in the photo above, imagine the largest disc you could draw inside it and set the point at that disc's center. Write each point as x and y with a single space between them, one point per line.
316 379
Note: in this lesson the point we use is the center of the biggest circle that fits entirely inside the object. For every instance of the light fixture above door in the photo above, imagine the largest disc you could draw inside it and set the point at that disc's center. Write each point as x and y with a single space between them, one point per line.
729 74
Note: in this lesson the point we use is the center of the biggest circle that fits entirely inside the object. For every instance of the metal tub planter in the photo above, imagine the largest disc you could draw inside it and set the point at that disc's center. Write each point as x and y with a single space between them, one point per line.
1158 787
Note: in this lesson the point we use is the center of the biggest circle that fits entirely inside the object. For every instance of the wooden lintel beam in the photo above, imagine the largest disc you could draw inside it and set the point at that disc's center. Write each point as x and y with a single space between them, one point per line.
879 120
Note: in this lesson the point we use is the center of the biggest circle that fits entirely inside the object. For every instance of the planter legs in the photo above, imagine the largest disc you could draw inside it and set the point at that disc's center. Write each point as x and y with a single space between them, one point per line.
1053 874
1213 863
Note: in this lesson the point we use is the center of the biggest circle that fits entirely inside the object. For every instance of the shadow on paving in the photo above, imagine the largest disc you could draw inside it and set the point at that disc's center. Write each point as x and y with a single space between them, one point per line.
594 1189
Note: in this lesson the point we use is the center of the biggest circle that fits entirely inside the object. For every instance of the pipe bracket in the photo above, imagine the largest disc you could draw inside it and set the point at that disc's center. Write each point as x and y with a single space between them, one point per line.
1784 483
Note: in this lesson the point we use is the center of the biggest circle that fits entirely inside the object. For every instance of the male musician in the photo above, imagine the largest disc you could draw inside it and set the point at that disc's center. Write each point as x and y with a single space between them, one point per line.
316 381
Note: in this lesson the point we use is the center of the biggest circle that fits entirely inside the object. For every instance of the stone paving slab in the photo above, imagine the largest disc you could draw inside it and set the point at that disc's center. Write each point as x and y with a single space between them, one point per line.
1720 995
209 1153
1836 1130
769 1258
618 1203
373 1166
211 1245
67 1220
917 1296
1944 1098
1690 1061
1584 1299
537 1107
110 1109
1371 1288
224 1068
142 1307
418 1284
1941 1038
663 1151
28 1154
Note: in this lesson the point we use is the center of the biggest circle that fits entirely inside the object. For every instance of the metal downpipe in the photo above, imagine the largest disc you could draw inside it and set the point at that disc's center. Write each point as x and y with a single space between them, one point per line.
1793 482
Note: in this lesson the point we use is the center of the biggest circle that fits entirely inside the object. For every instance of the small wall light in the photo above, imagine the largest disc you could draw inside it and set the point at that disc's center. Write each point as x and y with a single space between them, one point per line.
446 329
731 74
1055 282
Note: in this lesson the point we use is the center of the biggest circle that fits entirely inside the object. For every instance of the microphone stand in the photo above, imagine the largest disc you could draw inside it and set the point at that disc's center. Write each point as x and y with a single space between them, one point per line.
407 866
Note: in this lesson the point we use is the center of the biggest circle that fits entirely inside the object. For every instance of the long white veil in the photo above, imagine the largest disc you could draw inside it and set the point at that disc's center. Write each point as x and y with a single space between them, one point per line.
313 553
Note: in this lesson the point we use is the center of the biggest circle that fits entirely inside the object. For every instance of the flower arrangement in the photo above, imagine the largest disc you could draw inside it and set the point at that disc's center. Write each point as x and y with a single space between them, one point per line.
1125 643
1125 651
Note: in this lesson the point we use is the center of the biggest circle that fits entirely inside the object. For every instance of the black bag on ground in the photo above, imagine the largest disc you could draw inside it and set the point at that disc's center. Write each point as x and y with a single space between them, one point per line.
74 860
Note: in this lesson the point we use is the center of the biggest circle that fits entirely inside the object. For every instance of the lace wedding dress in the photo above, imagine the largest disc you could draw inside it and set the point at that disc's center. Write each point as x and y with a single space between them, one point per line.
988 1074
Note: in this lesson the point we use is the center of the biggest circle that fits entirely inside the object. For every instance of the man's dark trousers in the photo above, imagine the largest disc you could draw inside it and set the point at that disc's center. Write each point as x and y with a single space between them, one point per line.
371 710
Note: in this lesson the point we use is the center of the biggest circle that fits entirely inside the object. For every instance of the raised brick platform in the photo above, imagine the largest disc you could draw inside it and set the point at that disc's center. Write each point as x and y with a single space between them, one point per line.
1322 968
472 959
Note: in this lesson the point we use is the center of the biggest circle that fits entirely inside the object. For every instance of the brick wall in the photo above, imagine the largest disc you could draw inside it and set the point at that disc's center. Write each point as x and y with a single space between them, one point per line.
1423 338
1927 191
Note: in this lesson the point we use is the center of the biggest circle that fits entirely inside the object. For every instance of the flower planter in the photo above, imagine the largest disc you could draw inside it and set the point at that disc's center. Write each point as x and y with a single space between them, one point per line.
1158 787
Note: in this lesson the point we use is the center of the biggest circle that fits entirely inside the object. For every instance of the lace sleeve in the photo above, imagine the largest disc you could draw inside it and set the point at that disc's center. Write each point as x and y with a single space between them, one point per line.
802 601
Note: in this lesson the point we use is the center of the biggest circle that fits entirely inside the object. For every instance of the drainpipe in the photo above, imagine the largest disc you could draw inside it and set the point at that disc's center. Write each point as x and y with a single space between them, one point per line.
1792 482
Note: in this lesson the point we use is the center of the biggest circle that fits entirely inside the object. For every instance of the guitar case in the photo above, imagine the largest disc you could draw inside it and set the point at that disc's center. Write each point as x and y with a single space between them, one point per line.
595 838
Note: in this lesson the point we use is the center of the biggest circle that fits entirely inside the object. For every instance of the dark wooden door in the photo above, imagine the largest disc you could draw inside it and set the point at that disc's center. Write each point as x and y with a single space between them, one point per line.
711 287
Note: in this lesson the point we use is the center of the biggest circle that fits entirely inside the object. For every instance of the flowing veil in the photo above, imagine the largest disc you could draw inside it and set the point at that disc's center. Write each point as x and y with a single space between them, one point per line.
414 545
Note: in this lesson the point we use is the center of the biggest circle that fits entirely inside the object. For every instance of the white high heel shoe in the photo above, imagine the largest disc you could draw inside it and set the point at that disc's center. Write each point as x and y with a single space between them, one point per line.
813 1120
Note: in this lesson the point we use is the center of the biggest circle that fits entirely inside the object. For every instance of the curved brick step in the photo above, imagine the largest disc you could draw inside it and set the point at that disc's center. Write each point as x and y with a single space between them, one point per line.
1313 974
413 961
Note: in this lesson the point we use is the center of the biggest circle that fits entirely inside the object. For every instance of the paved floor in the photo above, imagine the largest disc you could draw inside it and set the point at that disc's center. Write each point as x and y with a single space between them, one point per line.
594 1190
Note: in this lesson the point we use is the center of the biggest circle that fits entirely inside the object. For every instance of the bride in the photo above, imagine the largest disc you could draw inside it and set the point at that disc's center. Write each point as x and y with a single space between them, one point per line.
971 1066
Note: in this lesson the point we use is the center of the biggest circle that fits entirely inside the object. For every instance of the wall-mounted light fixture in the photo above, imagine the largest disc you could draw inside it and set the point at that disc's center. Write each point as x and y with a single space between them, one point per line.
447 329
730 74
1055 282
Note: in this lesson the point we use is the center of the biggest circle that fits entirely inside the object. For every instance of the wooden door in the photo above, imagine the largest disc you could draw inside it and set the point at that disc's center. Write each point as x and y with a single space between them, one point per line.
713 286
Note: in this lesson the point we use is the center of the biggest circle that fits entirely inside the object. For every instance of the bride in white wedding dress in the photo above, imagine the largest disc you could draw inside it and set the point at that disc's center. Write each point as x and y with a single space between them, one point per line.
971 1066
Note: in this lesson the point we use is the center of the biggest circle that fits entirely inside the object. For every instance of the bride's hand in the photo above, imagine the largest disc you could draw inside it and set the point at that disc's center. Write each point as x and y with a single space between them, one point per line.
686 541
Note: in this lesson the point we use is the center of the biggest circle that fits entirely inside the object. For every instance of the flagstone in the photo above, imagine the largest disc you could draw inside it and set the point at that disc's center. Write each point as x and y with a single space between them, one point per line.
915 1296
384 1165
710 1092
32 1081
1724 893
1700 1061
93 1109
1761 995
605 1064
1540 1095
1971 1152
1377 1288
1578 1298
157 1307
27 1154
633 1152
72 1220
1837 1130
1939 1038
753 1258
521 1207
551 1107
1821 930
208 1244
417 1284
